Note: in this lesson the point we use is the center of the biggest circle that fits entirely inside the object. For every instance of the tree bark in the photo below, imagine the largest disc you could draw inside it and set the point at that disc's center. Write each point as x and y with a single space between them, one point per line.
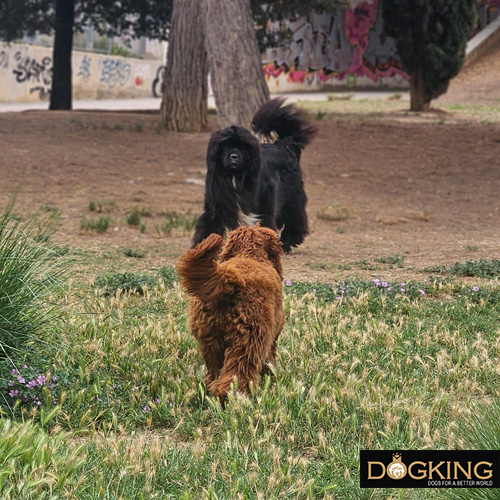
60 96
418 101
184 101
236 74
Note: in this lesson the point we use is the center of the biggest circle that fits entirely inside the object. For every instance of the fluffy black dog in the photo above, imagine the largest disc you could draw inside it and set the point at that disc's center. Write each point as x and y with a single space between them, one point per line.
248 182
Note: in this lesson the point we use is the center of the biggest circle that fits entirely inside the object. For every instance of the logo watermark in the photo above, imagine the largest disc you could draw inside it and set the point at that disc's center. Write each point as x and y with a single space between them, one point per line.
430 469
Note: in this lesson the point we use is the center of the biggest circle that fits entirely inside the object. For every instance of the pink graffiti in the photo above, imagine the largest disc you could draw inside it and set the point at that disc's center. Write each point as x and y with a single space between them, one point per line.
333 46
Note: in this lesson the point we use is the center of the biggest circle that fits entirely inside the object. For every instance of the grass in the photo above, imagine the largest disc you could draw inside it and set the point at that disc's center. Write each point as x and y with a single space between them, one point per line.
119 410
482 268
362 364
395 109
136 254
98 225
102 206
482 431
173 220
133 217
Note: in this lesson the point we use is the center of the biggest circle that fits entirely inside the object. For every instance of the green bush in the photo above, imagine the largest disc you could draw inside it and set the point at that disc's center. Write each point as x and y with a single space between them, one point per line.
29 274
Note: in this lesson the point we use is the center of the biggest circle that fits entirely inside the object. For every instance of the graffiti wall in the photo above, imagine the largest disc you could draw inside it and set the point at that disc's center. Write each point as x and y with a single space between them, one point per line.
26 75
346 48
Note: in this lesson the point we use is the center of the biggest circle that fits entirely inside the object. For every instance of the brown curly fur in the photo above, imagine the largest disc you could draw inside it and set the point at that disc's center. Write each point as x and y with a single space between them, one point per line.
236 305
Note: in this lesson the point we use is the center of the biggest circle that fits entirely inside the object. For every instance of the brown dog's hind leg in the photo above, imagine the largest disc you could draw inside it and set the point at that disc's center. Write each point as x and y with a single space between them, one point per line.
243 360
212 350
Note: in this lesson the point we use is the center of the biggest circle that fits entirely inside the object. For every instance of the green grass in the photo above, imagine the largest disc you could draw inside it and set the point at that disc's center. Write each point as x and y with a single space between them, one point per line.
136 254
98 225
482 268
173 220
133 217
361 365
102 206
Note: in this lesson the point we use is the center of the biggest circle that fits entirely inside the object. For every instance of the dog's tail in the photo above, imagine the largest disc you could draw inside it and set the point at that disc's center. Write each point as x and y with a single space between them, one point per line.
199 272
273 121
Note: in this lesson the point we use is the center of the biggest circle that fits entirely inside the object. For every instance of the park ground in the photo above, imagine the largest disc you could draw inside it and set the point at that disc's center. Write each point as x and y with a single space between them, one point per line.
385 184
387 344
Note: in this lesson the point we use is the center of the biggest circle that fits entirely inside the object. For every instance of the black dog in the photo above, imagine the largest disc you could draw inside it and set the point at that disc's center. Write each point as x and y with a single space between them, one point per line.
248 182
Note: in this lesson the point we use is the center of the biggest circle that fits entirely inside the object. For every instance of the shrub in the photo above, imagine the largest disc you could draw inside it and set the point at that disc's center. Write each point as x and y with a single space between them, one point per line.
29 274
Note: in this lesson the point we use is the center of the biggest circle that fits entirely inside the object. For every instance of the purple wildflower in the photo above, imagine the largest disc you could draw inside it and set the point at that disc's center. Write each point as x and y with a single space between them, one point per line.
14 394
15 371
421 292
288 283
146 409
41 379
32 383
475 289
21 380
384 284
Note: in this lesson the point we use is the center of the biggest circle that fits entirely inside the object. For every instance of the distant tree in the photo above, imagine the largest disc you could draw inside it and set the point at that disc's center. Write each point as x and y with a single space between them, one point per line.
431 36
25 17
184 100
60 95
131 18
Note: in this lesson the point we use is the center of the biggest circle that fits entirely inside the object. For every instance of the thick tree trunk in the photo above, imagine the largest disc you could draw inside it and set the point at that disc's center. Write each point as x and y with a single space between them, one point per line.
184 102
417 92
60 96
237 80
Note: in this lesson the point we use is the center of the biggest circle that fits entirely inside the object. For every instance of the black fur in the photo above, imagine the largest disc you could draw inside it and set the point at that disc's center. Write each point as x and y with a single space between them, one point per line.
245 177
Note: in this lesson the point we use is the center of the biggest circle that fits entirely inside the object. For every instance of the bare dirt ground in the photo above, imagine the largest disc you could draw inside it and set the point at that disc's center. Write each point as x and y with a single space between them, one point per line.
423 187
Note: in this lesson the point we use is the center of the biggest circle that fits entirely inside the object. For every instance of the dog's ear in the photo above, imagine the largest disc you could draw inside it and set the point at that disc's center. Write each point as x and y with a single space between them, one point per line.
213 151
274 252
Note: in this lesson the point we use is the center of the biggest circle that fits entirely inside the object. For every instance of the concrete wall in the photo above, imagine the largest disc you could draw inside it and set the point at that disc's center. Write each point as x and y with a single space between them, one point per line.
26 74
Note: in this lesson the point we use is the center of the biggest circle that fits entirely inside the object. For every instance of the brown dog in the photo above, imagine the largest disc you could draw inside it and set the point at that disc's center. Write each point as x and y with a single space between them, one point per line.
236 308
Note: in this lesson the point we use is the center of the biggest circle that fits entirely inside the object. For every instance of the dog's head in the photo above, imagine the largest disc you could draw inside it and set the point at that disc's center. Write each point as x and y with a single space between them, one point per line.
234 151
257 243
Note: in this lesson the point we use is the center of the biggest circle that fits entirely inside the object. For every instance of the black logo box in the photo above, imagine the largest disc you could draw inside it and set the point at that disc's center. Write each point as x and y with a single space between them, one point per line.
428 473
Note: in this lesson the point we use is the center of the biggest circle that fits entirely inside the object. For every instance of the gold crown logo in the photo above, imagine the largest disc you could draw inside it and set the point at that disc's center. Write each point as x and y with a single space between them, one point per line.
396 469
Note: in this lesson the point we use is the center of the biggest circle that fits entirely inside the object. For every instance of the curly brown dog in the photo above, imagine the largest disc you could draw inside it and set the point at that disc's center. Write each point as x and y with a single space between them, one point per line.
236 306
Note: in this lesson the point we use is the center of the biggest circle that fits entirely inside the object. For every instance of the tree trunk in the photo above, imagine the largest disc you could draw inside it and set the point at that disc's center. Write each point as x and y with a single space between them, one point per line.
418 101
184 102
60 96
236 74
